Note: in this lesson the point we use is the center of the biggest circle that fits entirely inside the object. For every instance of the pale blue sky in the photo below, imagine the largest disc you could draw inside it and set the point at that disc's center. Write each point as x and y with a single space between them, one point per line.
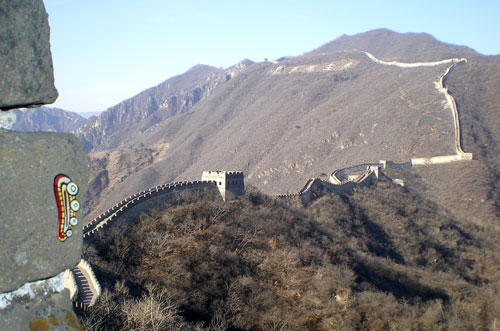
105 51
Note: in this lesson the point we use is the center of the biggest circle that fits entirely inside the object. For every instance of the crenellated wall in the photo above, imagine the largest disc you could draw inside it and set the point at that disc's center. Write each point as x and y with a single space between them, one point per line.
335 185
137 198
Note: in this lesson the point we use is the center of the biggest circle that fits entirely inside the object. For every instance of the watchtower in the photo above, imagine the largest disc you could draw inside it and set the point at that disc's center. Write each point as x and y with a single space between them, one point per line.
231 184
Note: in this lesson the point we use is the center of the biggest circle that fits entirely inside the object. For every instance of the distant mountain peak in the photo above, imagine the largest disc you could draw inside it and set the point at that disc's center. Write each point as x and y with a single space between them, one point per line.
201 68
388 44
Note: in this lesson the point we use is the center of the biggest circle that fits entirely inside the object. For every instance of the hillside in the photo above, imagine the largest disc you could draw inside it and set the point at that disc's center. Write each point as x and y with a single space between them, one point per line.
127 120
380 258
422 256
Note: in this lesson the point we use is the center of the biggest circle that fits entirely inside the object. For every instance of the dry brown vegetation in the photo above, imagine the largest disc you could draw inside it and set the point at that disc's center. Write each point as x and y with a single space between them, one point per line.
110 168
381 258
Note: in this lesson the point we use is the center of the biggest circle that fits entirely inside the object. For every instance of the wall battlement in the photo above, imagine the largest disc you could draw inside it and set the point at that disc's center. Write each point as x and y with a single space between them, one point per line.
369 176
120 208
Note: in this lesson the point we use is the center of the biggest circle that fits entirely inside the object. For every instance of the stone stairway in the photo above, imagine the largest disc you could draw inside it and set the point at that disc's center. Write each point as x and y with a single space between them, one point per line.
88 287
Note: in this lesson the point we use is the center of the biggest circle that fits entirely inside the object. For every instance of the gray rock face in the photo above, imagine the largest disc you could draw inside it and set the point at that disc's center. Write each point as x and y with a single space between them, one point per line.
7 119
37 239
42 305
26 71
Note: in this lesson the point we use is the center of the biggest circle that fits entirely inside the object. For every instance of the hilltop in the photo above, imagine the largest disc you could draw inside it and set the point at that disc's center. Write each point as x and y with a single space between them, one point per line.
390 45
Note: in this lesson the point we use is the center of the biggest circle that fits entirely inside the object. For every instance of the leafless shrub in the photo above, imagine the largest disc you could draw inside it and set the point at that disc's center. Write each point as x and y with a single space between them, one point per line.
382 258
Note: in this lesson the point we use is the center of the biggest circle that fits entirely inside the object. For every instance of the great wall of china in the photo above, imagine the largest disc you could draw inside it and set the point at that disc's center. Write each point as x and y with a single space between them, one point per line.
450 103
83 285
120 208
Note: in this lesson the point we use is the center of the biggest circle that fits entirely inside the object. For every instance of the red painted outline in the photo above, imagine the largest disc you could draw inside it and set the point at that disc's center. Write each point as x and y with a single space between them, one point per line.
64 212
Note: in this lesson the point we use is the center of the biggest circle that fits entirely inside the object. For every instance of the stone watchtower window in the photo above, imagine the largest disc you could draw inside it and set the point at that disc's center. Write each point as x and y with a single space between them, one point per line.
220 183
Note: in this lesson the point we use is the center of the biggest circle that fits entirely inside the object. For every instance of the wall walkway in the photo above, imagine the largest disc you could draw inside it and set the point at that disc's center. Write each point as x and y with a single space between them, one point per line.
450 103
123 206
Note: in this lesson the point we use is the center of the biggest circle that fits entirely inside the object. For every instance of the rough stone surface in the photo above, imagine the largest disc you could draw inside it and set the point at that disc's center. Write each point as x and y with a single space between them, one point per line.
41 306
29 243
26 71
7 119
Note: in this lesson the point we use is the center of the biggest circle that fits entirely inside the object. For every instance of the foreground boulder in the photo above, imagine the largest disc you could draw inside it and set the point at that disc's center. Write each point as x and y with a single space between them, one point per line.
33 245
26 71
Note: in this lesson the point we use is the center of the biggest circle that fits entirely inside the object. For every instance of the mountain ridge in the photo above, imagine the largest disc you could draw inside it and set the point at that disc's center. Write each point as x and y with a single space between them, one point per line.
47 119
175 95
285 121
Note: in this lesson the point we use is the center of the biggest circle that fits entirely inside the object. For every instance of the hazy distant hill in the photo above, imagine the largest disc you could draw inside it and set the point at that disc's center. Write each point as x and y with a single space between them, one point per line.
282 123
89 114
47 119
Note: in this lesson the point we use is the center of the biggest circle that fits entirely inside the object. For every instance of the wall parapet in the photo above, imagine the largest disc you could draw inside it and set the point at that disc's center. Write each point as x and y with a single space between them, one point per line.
93 279
100 221
69 283
442 159
338 186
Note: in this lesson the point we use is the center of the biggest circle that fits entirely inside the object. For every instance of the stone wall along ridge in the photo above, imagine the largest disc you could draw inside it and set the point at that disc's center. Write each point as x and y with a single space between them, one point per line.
453 106
100 221
439 86
414 64
442 159
335 184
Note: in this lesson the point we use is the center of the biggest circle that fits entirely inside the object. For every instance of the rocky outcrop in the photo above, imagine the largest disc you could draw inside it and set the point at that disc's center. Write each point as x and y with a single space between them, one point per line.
43 180
26 72
30 246
40 305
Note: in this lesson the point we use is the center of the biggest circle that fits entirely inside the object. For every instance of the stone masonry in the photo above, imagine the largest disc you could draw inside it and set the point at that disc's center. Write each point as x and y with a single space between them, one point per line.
43 182
26 72
231 184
